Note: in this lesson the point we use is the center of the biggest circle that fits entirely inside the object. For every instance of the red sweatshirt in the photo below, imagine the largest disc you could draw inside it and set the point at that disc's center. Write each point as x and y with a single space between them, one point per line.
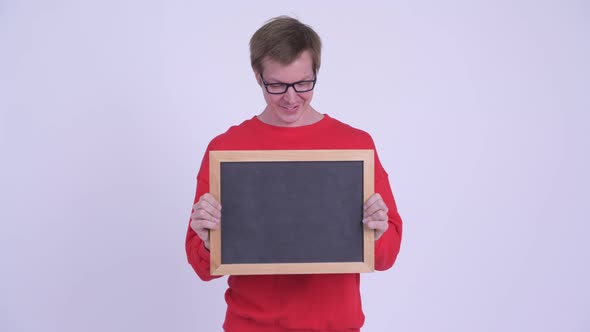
316 302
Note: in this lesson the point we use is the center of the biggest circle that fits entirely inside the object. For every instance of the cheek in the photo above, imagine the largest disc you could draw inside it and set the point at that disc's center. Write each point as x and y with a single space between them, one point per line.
303 98
270 99
306 97
274 99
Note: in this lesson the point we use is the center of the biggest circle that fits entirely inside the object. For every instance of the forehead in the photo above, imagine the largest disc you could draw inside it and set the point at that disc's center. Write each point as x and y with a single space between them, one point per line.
301 68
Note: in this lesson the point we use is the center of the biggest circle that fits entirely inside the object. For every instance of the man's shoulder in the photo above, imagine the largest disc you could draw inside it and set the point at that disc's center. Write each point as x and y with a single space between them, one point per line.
341 128
234 135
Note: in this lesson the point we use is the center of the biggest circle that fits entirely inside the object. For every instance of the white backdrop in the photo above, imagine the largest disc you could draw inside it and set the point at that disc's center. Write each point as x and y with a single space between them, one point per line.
480 111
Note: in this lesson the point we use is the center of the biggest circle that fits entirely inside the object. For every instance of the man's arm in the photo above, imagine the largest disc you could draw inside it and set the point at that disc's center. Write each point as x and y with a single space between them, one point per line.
196 251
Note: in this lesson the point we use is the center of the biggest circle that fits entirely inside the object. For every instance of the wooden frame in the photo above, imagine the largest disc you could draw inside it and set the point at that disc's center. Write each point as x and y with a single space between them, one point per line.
218 157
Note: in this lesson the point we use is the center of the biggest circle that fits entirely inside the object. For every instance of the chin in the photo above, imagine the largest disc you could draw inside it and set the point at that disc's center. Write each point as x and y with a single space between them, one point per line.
289 117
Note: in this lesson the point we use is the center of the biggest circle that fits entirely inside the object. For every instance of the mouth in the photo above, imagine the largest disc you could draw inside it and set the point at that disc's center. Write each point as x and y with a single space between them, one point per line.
290 109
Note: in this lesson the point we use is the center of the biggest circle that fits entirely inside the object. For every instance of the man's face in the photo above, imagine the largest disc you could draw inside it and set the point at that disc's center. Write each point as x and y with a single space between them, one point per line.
290 109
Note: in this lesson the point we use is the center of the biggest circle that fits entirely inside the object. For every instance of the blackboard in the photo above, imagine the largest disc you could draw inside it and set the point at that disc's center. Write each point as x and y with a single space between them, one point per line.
296 211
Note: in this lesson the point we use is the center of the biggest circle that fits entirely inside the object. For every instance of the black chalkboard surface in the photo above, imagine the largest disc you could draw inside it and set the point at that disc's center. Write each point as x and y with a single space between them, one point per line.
294 211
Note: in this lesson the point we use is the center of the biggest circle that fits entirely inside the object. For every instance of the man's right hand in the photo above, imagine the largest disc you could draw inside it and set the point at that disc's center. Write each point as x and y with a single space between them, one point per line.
206 215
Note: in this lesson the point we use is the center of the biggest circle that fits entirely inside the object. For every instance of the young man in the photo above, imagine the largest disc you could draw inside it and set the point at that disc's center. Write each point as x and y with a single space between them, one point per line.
285 56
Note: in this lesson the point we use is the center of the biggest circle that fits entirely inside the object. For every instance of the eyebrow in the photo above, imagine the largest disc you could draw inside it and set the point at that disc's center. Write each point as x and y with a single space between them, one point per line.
275 81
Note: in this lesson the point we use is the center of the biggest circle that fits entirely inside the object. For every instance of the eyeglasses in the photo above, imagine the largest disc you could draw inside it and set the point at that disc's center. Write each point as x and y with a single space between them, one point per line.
280 88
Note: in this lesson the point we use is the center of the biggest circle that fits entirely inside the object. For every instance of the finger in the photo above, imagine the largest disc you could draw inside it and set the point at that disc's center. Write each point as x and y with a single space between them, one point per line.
372 199
208 208
211 200
377 216
378 205
200 225
378 225
201 214
203 235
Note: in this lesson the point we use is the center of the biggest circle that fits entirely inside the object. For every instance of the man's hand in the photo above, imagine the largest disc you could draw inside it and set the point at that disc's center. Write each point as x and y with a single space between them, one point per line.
206 215
375 215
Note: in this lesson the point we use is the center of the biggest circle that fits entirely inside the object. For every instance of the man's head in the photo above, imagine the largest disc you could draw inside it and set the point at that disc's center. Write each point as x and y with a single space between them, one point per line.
283 39
285 55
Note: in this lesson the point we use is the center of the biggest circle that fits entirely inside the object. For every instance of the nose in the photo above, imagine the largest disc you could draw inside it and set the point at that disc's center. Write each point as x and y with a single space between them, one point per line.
290 95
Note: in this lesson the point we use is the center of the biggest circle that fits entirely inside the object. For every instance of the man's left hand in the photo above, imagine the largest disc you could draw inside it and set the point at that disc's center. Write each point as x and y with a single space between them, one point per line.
375 215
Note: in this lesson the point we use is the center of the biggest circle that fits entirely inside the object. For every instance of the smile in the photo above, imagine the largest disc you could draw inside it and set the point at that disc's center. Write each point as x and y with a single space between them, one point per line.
290 108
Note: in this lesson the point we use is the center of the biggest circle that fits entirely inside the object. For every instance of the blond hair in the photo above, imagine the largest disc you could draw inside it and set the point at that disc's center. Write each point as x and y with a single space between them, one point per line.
283 39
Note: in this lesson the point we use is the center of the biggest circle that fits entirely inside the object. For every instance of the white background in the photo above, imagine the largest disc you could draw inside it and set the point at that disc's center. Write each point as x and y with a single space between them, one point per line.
480 111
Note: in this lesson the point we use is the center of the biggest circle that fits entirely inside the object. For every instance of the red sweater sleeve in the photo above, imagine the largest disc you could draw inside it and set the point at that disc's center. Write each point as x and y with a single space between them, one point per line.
388 246
198 256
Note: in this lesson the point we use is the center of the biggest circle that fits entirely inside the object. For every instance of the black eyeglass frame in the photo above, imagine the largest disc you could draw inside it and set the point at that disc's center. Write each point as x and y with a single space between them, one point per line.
288 85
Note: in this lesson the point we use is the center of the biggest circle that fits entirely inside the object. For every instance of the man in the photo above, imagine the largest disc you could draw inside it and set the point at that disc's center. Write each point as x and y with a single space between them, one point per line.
285 56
